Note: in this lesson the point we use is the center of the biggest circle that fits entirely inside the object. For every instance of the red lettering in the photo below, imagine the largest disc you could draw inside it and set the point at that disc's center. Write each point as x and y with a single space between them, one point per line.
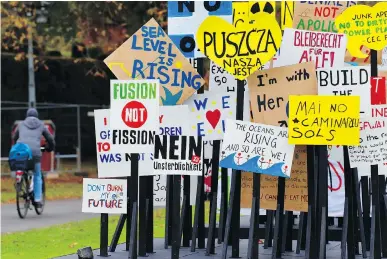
378 90
103 146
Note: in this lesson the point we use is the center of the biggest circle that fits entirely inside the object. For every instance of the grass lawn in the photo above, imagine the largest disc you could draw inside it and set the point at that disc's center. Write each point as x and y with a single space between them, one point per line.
65 239
64 187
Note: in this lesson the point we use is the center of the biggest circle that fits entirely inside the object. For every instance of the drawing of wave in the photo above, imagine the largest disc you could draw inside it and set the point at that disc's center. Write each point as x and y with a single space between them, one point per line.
251 165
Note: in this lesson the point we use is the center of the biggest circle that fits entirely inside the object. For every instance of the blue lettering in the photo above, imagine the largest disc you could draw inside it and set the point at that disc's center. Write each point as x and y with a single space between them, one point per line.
152 32
196 84
137 67
147 42
163 72
134 43
170 53
151 67
224 102
144 30
110 158
200 103
175 77
223 125
200 129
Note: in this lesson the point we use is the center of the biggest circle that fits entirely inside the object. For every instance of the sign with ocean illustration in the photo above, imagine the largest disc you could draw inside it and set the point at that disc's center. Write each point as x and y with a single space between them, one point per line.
257 148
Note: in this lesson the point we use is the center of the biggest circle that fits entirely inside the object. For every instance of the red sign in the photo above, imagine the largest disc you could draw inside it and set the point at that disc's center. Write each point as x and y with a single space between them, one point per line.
378 90
134 114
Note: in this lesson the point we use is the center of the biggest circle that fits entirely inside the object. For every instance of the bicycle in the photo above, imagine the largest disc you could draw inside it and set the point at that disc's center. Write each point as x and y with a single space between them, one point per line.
25 193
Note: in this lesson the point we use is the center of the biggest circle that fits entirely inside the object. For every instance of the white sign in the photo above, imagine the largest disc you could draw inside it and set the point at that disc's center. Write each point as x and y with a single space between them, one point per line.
178 155
160 189
347 81
185 17
373 144
109 164
134 115
208 113
326 49
258 148
220 80
173 120
104 196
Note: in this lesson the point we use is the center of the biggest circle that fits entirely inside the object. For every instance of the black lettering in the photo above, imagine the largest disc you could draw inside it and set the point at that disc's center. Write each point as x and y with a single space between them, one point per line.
187 44
173 147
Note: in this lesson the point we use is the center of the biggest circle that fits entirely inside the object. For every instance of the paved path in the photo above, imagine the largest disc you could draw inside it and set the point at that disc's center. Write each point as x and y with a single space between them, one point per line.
55 212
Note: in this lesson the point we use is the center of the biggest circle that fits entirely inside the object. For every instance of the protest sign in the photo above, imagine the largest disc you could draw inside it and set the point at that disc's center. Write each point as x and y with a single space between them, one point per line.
185 17
336 184
317 17
104 196
373 144
364 25
151 54
296 187
324 120
326 49
256 148
178 155
287 14
208 113
347 81
109 164
172 120
270 89
240 50
220 80
379 89
245 12
134 115
365 60
160 190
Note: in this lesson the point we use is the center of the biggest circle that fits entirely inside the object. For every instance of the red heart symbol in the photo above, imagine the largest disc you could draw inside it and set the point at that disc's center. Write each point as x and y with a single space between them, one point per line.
213 117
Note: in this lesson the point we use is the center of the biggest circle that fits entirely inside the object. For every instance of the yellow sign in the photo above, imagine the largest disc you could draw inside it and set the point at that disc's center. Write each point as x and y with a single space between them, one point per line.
364 25
287 14
324 120
245 12
242 50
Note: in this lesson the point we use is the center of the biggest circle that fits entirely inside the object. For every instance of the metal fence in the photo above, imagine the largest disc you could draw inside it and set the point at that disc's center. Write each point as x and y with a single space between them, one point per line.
75 133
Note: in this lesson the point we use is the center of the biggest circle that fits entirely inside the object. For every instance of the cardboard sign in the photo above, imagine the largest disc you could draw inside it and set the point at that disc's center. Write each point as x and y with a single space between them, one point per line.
324 120
373 144
185 17
347 81
256 148
134 115
316 17
326 49
208 113
270 90
109 164
104 196
240 50
151 54
296 187
366 60
178 155
364 25
246 12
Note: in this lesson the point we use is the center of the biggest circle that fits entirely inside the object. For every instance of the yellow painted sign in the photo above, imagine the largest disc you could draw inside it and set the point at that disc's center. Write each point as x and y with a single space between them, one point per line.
245 12
287 14
243 49
364 25
324 120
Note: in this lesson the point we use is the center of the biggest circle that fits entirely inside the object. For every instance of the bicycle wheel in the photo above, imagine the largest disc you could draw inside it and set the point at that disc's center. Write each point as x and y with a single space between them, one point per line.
22 198
39 211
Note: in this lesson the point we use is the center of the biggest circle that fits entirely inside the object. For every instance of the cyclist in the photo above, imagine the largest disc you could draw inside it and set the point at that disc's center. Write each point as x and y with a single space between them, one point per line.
30 132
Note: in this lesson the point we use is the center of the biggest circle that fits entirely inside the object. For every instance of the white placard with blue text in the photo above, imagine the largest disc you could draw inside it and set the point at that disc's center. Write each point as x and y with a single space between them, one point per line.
185 17
109 164
257 148
104 196
208 112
